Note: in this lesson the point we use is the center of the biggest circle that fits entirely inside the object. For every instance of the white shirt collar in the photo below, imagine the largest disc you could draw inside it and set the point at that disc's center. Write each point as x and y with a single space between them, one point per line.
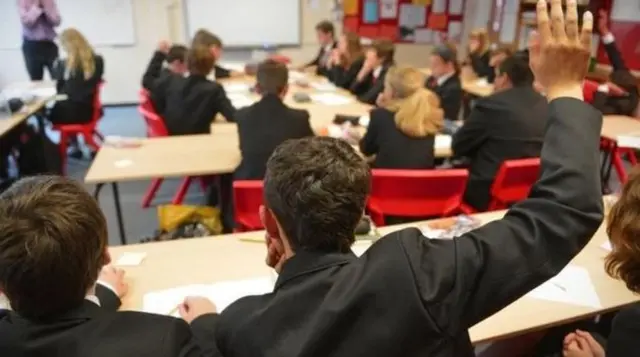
94 299
377 71
444 78
329 47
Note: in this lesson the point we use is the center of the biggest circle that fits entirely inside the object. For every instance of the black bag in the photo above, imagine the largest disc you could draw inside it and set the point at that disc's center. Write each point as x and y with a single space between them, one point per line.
38 155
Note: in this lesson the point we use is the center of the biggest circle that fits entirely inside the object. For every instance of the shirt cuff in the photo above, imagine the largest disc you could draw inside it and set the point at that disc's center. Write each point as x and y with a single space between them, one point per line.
108 286
608 38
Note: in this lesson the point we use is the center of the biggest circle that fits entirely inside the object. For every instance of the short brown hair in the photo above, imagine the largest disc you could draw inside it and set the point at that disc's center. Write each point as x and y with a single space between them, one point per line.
206 38
272 77
325 26
200 60
317 188
506 50
53 239
384 49
623 228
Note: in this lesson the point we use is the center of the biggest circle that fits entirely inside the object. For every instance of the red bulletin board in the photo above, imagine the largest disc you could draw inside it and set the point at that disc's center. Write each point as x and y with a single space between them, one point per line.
405 21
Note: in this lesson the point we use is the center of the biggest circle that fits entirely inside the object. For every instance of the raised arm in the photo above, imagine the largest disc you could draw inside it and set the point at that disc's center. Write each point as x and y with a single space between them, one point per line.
29 13
609 42
51 12
154 68
487 269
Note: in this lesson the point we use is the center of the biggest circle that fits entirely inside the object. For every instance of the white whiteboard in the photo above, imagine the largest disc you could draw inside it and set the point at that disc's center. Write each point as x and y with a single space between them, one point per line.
103 22
246 23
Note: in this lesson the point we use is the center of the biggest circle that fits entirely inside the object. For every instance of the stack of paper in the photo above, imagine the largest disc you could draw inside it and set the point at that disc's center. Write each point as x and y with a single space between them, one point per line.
236 87
222 294
571 286
240 100
330 99
323 86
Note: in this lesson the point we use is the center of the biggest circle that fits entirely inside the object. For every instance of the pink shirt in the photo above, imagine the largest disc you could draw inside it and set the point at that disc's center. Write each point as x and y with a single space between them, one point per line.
39 19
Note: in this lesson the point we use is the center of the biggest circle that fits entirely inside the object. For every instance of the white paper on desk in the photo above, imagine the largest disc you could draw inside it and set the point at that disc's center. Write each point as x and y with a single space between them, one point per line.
631 140
296 75
364 120
323 86
130 259
330 99
442 141
240 100
361 246
44 92
572 285
236 87
606 246
482 82
222 294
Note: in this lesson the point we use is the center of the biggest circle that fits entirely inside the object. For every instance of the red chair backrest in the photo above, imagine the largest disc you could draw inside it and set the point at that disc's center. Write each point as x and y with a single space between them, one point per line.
97 104
247 199
155 123
145 100
514 180
417 193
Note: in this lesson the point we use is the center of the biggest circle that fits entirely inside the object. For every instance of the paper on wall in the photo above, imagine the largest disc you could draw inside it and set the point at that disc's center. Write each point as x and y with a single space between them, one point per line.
388 9
572 285
350 7
455 30
370 12
423 35
412 16
439 6
456 7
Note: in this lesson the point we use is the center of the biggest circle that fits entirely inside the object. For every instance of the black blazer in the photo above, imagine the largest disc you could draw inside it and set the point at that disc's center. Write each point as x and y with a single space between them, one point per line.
505 125
393 148
156 78
79 106
413 296
189 104
344 77
261 128
221 73
320 69
480 64
624 332
450 94
369 88
625 105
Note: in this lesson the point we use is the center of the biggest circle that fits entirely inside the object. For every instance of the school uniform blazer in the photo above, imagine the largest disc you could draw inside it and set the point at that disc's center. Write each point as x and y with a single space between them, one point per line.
393 148
261 128
480 64
413 296
344 77
94 331
80 91
321 70
625 105
450 94
370 87
156 78
505 125
623 340
189 104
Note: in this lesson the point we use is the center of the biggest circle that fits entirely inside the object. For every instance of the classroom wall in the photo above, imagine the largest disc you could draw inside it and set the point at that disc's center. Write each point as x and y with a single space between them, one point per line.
164 19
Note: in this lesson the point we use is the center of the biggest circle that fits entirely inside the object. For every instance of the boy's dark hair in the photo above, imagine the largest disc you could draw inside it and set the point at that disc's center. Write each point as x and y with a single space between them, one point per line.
53 239
272 77
206 38
385 50
325 27
200 60
506 50
449 54
177 53
516 67
317 188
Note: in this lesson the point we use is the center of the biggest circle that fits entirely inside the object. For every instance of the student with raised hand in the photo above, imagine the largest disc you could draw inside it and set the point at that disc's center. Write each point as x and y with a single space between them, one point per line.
401 132
620 94
325 32
189 104
508 124
79 77
369 82
167 59
53 245
204 38
408 295
497 57
479 54
445 80
346 60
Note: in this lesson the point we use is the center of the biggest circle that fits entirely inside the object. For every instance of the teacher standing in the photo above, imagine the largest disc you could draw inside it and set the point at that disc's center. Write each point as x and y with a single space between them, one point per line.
39 19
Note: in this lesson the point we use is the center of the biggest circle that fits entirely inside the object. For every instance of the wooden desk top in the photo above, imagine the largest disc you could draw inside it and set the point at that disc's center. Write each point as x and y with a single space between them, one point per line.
477 88
215 259
44 91
15 119
616 125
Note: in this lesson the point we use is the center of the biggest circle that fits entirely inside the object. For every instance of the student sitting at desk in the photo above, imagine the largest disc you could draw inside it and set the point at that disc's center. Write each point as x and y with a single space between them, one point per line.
325 33
53 245
369 82
408 295
479 54
445 80
204 38
620 95
401 133
509 124
269 122
189 104
79 76
167 59
346 60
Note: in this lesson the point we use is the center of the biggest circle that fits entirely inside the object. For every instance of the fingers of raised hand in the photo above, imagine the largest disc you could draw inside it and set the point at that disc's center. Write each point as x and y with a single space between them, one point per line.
544 26
572 21
557 21
587 30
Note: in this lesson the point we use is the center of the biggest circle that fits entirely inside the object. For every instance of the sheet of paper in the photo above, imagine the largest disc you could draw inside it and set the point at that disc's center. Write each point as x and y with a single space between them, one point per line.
455 30
323 86
330 99
240 100
370 12
606 246
297 75
422 2
236 87
423 36
388 9
439 6
456 7
412 16
361 246
631 140
572 285
130 259
222 294
350 7
442 141
364 120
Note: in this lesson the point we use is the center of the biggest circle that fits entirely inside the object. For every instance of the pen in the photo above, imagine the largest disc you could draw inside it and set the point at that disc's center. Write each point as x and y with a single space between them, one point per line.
560 287
174 310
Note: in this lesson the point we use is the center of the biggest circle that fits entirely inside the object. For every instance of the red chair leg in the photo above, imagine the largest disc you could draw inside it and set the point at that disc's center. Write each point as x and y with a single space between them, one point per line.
631 156
151 192
204 182
62 145
618 164
90 140
182 191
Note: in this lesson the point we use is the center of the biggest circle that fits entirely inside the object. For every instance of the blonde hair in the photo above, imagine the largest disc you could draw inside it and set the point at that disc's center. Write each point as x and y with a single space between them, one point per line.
483 37
80 53
417 109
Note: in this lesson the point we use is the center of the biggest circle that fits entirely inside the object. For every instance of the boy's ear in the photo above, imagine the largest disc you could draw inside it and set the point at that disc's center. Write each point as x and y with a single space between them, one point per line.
285 89
269 222
107 257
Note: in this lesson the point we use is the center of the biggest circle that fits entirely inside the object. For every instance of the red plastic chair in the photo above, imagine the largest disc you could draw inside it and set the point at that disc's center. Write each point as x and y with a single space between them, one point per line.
416 193
247 198
89 131
513 182
157 128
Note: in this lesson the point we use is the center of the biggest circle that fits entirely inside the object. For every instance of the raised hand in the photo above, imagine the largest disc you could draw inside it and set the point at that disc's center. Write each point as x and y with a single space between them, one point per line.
164 46
559 52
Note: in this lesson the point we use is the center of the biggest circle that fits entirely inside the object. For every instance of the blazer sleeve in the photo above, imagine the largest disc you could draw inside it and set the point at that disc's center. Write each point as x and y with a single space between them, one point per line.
481 65
359 87
474 132
485 270
451 100
223 104
307 130
221 72
624 333
184 341
615 57
369 142
154 68
108 299
316 60
343 78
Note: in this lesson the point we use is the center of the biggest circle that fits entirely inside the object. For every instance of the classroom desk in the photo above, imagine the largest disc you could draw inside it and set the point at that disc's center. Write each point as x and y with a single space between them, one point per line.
614 126
16 119
215 259
477 88
43 91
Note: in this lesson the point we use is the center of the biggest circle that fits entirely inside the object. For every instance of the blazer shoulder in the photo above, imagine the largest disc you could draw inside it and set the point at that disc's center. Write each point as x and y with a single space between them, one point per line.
629 316
381 114
300 114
